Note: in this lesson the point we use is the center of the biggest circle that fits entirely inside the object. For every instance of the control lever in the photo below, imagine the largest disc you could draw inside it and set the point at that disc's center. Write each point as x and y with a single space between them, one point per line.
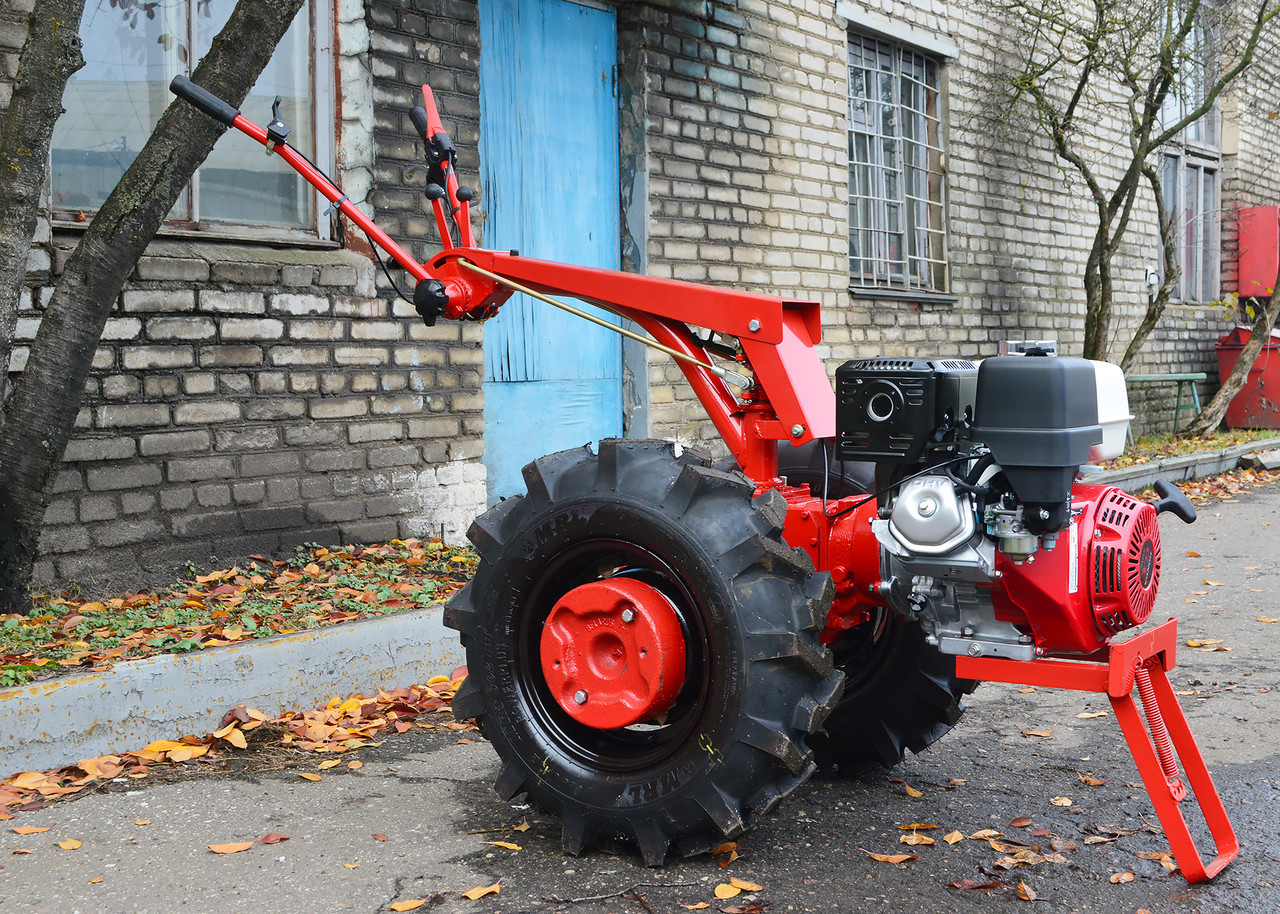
277 131
1172 499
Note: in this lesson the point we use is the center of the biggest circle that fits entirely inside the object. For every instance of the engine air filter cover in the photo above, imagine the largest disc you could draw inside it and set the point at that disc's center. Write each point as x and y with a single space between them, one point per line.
1123 566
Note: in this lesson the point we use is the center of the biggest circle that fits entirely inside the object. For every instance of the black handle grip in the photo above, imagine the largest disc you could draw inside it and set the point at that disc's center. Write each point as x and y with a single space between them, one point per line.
418 115
1172 499
203 99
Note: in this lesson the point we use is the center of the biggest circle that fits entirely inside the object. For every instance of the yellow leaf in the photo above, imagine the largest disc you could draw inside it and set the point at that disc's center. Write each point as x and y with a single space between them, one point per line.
1060 801
408 904
523 826
352 866
69 845
230 848
480 891
915 839
21 850
954 837
95 880
436 680
1204 642
332 763
1091 715
141 821
1026 690
29 829
1264 619
1025 892
1091 781
222 734
236 738
697 907
507 844
915 826
1118 878
890 858
724 890
1043 734
1214 583
744 885
163 745
29 780
309 776
187 753
354 764
351 707
985 833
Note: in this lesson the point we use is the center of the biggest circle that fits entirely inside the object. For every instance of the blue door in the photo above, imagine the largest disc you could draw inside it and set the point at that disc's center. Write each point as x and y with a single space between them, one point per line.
549 166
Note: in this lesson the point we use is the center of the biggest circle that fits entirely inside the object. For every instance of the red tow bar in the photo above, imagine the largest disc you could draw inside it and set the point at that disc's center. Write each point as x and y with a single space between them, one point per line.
613 653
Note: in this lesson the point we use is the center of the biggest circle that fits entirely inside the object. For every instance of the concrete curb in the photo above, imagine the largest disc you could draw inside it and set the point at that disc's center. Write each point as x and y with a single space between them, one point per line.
57 722
1181 469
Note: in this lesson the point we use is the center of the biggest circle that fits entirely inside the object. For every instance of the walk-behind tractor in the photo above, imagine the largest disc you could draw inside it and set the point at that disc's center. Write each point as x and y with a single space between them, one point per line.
662 648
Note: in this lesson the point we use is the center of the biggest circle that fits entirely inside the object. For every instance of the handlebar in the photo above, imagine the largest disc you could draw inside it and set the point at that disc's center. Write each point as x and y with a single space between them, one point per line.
203 99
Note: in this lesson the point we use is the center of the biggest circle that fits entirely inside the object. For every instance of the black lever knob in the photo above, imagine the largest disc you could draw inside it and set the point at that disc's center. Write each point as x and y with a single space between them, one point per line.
434 191
1172 499
429 299
466 194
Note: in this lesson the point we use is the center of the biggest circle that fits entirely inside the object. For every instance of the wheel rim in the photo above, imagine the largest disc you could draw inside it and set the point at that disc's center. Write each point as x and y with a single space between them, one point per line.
637 746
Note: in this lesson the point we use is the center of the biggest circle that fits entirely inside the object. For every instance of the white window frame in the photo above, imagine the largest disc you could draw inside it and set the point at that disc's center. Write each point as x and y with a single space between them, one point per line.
321 30
1197 219
897 235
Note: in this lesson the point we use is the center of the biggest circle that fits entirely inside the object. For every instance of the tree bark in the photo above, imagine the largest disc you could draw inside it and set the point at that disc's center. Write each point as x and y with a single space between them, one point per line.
42 411
49 57
1205 424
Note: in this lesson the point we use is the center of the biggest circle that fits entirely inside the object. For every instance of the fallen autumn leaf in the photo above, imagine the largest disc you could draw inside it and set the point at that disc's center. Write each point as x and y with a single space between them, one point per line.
480 891
230 848
725 890
69 845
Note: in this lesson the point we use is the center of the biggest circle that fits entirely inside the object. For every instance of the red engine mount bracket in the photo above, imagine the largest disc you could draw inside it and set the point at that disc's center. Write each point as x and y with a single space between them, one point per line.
1143 662
613 653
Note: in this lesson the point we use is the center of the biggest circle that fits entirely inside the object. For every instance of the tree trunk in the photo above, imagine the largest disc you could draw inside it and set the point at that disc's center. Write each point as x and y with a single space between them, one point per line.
1210 417
42 412
50 56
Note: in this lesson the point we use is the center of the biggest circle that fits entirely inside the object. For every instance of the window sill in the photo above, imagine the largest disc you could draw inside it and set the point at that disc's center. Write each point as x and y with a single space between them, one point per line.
907 296
279 238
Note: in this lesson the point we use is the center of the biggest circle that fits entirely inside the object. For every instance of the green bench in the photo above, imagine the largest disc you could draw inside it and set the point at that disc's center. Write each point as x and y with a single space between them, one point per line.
1182 378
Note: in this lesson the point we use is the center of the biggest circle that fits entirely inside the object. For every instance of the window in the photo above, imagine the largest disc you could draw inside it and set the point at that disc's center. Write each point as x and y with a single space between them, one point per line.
896 189
132 49
1190 186
1190 167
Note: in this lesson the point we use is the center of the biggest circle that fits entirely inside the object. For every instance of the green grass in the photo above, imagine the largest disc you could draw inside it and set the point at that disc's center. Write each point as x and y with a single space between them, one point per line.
315 587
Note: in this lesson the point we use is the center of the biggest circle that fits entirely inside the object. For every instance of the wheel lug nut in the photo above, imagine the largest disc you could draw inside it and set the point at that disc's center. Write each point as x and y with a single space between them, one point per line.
628 615
580 697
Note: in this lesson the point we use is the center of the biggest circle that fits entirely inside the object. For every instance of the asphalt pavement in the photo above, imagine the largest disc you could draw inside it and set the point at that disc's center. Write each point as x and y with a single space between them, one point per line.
414 821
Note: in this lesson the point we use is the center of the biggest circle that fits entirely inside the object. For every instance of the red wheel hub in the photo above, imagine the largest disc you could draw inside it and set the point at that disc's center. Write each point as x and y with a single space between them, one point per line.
613 653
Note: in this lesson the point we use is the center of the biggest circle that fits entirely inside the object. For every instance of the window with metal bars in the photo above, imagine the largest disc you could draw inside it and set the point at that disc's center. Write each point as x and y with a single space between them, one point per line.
897 190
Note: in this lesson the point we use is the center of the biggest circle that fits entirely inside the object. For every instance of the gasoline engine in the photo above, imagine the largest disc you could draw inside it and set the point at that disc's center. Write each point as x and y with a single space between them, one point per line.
985 537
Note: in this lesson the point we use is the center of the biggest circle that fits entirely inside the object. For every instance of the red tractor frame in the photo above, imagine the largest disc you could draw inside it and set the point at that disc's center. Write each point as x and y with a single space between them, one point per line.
661 649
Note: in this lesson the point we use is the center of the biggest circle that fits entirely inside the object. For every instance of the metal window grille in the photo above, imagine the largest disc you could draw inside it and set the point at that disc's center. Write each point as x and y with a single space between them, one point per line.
897 237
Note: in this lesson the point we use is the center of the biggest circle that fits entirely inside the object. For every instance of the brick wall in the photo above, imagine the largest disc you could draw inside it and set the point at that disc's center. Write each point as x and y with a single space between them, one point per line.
248 398
744 154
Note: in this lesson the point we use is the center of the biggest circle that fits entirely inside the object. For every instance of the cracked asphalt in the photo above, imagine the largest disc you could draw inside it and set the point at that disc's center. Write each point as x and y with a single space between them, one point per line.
429 795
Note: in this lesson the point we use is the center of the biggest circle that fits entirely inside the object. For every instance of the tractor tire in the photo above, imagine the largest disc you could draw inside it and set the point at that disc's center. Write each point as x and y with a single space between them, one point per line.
900 692
757 682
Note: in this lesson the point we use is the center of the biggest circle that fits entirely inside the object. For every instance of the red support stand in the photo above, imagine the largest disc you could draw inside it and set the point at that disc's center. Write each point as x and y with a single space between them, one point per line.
1143 662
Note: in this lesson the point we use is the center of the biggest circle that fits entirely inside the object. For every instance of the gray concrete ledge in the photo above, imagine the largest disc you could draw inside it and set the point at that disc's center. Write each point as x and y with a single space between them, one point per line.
60 721
1181 469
